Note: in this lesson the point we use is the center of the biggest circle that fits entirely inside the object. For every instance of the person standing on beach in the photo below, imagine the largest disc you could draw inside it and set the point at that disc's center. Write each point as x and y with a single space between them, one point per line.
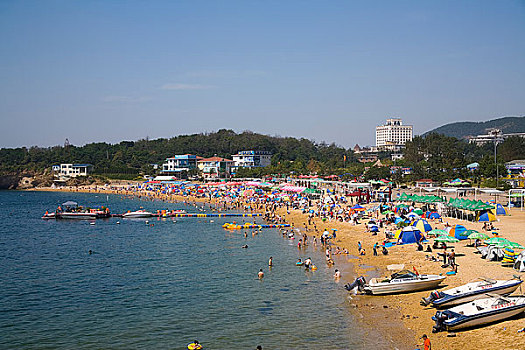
426 343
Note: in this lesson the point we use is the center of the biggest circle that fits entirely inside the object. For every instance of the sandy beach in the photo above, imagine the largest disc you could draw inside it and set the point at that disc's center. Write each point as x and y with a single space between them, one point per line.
400 319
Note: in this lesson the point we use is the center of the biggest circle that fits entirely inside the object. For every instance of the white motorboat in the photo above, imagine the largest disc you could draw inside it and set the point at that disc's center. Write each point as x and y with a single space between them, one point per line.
470 291
137 214
400 282
478 312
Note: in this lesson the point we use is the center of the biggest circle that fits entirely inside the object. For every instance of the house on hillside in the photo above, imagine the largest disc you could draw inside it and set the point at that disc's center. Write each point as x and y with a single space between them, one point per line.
215 167
251 159
180 163
71 170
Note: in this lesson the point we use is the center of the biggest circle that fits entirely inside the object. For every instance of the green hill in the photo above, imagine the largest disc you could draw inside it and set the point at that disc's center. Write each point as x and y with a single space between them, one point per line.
463 129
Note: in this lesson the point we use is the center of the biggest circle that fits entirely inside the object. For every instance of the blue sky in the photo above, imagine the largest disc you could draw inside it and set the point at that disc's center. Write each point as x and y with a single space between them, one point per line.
324 70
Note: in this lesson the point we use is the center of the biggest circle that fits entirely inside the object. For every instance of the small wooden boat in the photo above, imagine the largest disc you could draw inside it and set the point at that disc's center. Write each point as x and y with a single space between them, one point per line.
470 291
494 308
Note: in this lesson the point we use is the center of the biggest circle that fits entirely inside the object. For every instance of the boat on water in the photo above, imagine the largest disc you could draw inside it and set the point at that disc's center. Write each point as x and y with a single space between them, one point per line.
400 282
471 291
71 210
494 308
137 214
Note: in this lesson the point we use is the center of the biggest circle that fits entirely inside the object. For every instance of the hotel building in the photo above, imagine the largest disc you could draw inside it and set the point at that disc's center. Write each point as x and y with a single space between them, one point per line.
393 135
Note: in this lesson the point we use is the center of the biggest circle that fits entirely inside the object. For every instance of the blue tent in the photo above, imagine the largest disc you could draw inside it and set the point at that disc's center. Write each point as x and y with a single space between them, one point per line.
485 216
458 232
500 210
357 206
422 225
410 235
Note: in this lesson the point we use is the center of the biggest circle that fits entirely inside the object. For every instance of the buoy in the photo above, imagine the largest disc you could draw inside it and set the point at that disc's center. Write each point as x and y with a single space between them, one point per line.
118 222
92 223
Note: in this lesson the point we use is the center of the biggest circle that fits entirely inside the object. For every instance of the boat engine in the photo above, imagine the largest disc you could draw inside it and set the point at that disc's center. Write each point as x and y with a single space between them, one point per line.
435 295
359 282
440 317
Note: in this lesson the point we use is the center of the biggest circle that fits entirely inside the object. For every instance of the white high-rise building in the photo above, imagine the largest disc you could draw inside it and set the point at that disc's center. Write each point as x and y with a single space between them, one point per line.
393 135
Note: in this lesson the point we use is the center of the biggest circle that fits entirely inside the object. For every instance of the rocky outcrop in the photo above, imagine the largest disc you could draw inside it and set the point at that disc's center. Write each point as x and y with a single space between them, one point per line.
9 182
24 181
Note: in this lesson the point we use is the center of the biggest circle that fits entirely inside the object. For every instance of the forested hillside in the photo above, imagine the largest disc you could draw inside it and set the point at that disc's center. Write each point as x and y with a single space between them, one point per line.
463 129
132 157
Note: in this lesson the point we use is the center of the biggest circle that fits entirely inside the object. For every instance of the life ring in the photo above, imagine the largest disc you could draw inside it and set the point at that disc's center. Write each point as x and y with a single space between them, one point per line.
299 263
194 346
314 267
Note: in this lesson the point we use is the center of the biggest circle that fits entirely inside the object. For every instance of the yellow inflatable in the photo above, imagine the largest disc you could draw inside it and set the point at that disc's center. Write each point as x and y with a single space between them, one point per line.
194 346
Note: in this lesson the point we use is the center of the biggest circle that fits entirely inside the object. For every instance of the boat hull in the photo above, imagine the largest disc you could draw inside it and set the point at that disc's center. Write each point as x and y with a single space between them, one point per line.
137 215
76 216
493 316
456 300
403 287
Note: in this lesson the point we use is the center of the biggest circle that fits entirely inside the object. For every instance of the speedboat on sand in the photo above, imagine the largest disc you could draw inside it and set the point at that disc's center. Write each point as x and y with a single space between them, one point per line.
137 214
400 282
471 291
478 312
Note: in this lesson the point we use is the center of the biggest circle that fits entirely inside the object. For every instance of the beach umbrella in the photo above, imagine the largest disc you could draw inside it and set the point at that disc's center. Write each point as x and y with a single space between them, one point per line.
448 239
437 233
388 212
477 235
418 211
510 245
496 240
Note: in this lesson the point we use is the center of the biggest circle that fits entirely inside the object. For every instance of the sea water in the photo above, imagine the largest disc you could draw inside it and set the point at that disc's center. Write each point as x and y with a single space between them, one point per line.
159 285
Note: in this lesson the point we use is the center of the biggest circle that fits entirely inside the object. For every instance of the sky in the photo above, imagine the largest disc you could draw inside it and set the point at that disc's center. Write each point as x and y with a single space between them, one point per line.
107 71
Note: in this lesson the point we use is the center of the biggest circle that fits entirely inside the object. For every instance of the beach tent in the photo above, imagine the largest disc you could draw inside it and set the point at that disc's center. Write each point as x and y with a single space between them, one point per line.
485 216
357 207
459 232
412 215
500 210
519 264
494 253
422 225
433 215
410 234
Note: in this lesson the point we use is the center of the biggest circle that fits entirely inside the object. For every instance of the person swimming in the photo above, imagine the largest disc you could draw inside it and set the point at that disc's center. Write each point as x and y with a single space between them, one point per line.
270 261
308 263
261 273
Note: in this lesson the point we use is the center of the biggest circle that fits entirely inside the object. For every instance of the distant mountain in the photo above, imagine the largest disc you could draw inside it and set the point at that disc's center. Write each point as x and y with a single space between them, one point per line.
462 130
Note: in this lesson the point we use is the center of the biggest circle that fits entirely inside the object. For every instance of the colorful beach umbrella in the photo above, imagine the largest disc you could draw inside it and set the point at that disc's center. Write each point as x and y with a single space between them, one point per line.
510 245
437 233
477 235
448 239
496 240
